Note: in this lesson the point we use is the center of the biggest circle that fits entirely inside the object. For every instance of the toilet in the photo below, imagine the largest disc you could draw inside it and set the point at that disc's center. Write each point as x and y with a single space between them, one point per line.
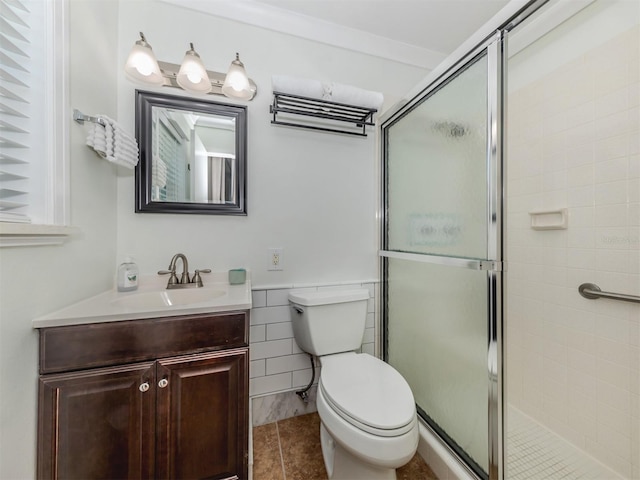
367 411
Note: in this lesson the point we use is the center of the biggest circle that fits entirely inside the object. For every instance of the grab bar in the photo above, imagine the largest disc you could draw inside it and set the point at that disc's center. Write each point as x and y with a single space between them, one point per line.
592 291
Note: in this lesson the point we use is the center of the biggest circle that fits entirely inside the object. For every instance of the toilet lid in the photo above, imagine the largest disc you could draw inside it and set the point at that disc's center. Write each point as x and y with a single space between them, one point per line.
365 389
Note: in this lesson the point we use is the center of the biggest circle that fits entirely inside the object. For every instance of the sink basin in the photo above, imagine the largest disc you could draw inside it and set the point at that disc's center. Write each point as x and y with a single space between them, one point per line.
167 298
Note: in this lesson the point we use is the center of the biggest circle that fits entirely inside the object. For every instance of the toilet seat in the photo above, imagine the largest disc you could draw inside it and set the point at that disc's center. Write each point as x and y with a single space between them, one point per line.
368 393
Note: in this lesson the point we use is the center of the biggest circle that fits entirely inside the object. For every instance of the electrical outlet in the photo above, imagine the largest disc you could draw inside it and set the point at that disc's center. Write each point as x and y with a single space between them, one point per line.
274 259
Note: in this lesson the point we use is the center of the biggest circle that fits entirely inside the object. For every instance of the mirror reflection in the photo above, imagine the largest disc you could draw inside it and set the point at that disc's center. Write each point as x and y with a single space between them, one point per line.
192 155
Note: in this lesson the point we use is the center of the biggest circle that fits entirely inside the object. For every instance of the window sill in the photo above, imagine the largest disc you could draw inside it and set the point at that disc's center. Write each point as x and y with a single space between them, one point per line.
27 234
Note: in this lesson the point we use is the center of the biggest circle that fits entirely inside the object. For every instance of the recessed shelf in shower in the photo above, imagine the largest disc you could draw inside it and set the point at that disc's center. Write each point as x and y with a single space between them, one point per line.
550 219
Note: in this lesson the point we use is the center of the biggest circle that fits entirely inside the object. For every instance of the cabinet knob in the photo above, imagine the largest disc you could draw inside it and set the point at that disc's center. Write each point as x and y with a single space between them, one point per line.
144 387
163 383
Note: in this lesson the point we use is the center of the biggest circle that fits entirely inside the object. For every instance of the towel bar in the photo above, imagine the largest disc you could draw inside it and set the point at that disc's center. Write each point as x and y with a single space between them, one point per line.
350 119
593 292
80 117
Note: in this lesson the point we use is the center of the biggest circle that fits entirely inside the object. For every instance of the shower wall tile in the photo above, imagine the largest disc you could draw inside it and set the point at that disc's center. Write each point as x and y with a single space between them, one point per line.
574 142
277 363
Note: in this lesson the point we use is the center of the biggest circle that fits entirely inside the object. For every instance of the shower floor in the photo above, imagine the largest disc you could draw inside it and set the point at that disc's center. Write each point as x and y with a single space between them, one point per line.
536 453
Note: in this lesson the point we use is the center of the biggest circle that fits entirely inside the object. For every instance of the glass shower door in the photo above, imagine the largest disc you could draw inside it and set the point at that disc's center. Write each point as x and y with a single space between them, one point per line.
441 255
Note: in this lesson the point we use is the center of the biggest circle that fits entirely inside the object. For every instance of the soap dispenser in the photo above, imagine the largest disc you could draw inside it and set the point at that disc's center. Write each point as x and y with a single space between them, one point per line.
127 275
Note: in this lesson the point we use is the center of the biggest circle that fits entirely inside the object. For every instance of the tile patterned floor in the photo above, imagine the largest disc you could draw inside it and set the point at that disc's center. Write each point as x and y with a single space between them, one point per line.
290 450
535 452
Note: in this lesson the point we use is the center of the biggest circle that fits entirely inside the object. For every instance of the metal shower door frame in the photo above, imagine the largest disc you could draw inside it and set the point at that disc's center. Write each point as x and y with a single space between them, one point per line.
493 264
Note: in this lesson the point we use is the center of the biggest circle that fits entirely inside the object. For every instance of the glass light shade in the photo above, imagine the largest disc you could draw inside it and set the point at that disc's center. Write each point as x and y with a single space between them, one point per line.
141 65
236 83
193 76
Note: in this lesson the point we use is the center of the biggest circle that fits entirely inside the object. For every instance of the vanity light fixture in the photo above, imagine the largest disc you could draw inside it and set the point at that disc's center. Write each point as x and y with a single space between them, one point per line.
236 84
142 65
191 75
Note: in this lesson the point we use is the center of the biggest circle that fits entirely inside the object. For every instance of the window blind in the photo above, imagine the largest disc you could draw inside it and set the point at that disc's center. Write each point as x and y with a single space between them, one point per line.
21 30
171 153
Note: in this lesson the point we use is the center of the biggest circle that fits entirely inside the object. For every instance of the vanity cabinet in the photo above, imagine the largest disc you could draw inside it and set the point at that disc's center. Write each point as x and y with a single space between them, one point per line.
141 399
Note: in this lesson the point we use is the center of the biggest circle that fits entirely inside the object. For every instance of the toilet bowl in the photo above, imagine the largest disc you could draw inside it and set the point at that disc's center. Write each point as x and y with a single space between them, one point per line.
367 410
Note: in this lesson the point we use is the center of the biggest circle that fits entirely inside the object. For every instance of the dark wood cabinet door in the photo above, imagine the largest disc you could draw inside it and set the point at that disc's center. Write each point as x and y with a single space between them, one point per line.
97 424
202 429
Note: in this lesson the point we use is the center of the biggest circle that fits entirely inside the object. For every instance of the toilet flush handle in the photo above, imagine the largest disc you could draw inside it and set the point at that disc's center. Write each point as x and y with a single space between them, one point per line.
298 309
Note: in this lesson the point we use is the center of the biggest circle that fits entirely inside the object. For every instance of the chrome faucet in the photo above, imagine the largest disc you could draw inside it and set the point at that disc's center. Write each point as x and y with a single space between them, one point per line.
185 267
185 281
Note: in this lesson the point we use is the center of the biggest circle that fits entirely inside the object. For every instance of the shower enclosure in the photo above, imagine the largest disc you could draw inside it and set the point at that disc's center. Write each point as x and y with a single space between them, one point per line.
442 265
519 375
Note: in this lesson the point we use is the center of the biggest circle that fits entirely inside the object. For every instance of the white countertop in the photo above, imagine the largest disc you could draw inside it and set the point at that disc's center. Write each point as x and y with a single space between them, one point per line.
108 306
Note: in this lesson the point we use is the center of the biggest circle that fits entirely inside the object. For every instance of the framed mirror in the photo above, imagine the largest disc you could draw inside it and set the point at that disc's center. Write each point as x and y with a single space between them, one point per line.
192 155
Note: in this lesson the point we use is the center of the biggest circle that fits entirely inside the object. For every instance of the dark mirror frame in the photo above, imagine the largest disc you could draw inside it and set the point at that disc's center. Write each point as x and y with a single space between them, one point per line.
145 101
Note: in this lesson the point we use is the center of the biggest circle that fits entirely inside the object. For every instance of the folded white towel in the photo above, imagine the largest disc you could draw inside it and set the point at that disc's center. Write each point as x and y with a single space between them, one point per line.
96 139
112 142
121 161
100 152
302 87
99 133
92 132
126 157
330 91
126 142
108 133
122 148
127 152
350 95
326 91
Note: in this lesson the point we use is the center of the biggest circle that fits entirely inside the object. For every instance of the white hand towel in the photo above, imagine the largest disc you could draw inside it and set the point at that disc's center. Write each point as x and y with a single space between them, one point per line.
302 87
100 145
92 132
350 95
126 149
123 148
327 90
112 142
109 137
98 140
126 158
125 141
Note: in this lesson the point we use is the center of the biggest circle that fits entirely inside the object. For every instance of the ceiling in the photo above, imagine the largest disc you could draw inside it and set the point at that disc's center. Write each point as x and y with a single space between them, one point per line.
416 32
439 25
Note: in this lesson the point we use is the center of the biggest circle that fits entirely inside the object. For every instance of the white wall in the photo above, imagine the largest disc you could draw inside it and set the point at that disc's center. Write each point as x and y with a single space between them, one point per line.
314 194
38 280
305 189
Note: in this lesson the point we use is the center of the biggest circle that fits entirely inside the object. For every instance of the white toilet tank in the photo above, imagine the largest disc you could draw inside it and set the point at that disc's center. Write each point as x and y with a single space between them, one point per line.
326 322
